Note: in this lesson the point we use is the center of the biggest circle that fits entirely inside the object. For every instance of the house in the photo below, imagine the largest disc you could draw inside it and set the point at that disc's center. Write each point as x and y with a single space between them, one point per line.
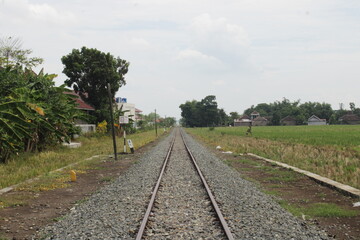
129 108
314 120
138 116
350 118
288 121
259 121
80 104
131 112
242 121
254 115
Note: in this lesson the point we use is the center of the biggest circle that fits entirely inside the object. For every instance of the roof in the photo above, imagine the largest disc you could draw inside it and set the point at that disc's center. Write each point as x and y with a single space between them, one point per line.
314 118
288 118
243 117
255 113
138 110
80 103
350 117
259 119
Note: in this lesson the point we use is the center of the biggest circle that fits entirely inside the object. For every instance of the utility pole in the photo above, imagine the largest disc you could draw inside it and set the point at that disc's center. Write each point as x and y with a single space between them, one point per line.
112 120
155 124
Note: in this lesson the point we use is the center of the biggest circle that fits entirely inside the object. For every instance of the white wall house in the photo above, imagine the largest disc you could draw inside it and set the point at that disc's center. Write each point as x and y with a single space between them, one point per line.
314 120
130 107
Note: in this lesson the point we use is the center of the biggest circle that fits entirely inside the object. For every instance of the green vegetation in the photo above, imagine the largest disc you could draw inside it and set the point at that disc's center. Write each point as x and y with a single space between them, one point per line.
341 136
203 113
89 71
328 210
34 114
318 210
330 151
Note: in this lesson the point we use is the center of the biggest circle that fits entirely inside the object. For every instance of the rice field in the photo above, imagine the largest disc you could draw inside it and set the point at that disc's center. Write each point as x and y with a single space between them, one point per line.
347 136
330 151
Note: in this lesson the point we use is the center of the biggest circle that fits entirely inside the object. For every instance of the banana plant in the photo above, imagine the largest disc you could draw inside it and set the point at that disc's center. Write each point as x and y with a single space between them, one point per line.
14 127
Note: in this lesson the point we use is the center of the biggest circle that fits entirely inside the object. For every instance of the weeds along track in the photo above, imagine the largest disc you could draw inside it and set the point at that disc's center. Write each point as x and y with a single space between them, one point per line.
182 205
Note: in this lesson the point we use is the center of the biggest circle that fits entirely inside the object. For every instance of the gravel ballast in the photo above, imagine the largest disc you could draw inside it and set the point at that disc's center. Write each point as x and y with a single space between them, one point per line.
182 209
116 211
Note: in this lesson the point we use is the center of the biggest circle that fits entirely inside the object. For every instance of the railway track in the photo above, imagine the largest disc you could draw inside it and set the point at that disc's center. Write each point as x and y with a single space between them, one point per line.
182 205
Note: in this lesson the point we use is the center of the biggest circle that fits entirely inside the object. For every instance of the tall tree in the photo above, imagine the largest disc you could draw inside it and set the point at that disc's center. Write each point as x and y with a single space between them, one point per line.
11 53
209 110
89 71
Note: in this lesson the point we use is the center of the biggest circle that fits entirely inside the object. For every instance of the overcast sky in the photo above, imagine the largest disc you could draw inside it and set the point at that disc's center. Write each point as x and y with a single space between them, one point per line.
244 52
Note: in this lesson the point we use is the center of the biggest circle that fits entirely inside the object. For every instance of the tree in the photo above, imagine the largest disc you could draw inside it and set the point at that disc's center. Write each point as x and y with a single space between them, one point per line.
11 53
352 107
190 114
202 114
301 112
89 71
224 119
209 111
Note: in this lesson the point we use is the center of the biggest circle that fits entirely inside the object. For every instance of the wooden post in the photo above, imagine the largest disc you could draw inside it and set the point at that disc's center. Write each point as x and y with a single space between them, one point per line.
112 120
155 124
124 141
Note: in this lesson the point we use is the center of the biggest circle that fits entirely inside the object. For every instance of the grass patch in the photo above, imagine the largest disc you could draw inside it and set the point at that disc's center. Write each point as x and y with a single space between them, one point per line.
318 210
106 179
14 200
272 192
328 210
57 219
27 166
294 210
283 176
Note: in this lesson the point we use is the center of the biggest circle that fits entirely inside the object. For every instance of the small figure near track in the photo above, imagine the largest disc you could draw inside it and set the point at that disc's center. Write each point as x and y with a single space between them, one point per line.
248 131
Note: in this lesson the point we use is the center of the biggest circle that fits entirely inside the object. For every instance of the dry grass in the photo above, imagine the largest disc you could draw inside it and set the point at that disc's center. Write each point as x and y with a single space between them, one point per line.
27 166
330 161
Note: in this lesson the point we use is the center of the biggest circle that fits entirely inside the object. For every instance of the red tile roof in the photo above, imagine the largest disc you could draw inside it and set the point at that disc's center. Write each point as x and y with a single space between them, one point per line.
80 103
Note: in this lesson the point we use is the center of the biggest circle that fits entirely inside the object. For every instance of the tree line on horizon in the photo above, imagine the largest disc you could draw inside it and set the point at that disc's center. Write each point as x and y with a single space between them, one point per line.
206 113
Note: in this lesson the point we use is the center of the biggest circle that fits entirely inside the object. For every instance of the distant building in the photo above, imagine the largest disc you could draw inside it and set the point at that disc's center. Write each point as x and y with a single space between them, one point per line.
259 121
129 108
254 115
288 121
138 114
350 118
83 106
254 120
242 121
314 120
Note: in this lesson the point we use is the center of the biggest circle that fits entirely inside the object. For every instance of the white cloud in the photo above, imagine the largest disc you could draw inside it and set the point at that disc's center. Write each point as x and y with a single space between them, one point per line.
46 12
140 42
219 83
190 54
219 30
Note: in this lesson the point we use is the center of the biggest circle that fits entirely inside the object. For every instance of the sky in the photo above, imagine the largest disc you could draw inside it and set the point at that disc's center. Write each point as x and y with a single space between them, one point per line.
244 52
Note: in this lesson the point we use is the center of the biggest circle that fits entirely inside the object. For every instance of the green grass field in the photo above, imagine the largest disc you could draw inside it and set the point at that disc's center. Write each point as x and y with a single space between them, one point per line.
330 151
334 135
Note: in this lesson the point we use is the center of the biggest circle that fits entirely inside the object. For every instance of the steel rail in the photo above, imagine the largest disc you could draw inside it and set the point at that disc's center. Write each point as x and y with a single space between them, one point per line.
156 188
221 218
